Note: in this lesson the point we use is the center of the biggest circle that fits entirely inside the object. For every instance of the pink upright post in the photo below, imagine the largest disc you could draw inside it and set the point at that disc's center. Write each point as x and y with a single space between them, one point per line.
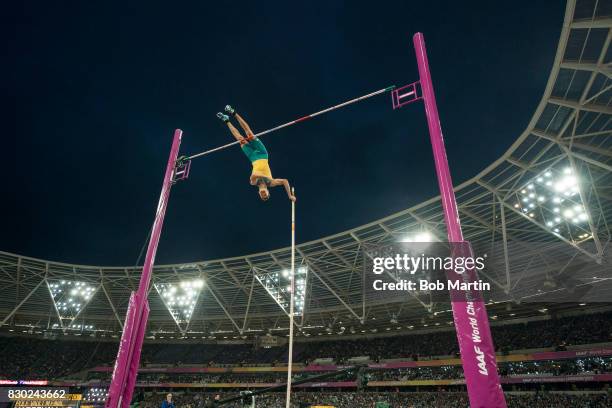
128 356
469 313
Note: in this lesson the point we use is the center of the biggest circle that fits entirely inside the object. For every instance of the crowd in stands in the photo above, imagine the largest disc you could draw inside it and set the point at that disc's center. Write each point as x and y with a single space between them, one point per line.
213 354
548 333
337 399
395 400
541 334
32 358
213 378
38 358
589 365
421 373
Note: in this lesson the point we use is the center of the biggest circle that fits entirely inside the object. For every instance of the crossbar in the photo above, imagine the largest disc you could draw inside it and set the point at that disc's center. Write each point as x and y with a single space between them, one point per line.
298 120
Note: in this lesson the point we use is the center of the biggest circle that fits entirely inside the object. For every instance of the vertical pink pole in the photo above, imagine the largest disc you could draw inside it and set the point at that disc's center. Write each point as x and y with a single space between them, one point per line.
470 315
123 355
128 356
135 363
145 279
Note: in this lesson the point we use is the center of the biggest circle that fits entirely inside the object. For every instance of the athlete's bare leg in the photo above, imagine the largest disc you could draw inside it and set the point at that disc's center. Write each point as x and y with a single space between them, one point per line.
245 126
235 132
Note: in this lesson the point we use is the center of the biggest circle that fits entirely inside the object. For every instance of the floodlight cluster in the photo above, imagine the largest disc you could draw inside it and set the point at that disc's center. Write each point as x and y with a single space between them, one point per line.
70 297
552 198
74 326
300 289
96 395
421 236
81 326
180 298
278 285
272 284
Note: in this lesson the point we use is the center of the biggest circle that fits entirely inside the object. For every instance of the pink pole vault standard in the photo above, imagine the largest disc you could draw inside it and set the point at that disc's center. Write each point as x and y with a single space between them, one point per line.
469 311
128 356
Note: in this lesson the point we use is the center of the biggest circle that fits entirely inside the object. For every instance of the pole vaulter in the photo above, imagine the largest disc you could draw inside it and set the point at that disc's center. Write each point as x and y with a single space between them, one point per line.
469 311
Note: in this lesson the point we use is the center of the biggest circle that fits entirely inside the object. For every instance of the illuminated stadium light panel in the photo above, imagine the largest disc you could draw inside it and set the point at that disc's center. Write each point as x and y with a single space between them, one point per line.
278 286
422 236
552 199
96 395
180 299
75 326
70 297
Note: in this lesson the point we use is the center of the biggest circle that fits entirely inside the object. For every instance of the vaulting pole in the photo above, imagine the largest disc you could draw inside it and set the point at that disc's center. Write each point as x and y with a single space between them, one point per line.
128 356
469 311
292 304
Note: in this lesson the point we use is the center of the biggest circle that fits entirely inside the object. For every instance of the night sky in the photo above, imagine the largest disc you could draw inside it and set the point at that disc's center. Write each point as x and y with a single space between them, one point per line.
92 92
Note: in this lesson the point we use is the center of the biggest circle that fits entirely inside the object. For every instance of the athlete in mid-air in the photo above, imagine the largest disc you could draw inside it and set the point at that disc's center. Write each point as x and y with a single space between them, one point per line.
254 149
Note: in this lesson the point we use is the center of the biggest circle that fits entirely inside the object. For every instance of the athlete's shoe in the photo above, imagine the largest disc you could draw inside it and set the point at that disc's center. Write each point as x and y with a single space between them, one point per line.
230 110
223 117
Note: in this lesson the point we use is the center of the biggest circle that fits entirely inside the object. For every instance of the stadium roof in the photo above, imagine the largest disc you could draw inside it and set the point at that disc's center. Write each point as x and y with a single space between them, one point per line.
509 208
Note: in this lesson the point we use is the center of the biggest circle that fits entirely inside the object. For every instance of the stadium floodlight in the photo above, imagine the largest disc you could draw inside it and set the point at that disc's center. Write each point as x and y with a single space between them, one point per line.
180 299
418 236
278 286
552 199
69 299
96 395
79 327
